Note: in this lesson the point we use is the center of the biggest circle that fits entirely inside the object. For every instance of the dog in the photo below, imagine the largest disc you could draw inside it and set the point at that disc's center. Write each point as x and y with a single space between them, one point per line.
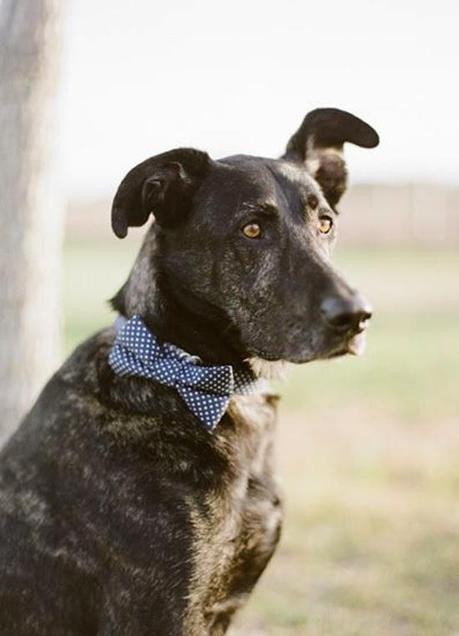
123 511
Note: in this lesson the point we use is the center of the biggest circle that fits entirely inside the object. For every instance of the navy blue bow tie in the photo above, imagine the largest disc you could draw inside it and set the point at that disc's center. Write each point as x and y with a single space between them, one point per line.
205 389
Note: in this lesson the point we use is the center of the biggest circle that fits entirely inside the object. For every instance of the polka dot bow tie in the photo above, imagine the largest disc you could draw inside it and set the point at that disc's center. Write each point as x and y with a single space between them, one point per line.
206 390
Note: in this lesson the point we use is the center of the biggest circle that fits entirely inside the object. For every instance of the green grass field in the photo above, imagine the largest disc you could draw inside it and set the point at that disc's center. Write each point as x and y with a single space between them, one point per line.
368 451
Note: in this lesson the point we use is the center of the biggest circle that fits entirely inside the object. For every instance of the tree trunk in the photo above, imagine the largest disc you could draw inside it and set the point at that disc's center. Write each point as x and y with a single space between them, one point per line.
30 217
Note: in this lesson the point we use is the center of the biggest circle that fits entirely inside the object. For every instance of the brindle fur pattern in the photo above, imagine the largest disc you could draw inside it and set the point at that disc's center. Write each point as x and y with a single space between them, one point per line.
120 514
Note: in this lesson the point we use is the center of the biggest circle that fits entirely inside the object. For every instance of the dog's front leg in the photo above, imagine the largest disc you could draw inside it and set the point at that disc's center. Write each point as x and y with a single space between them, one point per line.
139 613
139 624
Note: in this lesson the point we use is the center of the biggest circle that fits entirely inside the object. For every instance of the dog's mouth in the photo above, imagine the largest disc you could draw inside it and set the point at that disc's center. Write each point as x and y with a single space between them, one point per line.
357 344
354 344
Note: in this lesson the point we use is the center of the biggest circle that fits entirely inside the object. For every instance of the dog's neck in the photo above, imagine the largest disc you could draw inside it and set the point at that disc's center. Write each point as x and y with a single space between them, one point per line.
189 322
174 314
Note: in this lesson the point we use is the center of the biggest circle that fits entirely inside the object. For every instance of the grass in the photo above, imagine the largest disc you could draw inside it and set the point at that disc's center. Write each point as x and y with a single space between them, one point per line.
370 543
367 448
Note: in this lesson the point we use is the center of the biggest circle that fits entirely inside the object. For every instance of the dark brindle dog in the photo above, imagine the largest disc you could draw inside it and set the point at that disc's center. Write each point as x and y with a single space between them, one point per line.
121 513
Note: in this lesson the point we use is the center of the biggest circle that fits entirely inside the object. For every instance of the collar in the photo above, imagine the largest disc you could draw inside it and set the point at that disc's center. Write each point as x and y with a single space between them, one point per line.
205 389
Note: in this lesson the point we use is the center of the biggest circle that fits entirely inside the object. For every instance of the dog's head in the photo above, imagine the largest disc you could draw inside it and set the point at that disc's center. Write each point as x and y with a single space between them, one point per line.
249 239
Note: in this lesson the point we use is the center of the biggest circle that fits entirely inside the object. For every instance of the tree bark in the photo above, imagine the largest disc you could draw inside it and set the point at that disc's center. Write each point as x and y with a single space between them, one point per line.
30 214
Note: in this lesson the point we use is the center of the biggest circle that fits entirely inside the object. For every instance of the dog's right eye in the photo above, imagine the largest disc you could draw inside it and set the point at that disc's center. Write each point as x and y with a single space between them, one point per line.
325 224
251 230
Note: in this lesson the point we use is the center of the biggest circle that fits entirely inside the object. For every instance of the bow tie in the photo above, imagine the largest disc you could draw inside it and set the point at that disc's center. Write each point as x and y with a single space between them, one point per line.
206 390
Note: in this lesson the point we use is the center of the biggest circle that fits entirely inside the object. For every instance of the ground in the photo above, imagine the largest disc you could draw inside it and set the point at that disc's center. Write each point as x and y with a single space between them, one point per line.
368 449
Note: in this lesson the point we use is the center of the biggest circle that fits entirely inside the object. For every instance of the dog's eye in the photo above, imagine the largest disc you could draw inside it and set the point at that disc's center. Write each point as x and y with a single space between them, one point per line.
325 224
252 230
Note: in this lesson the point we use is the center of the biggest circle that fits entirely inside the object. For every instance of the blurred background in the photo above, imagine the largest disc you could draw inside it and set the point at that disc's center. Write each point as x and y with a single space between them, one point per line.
368 447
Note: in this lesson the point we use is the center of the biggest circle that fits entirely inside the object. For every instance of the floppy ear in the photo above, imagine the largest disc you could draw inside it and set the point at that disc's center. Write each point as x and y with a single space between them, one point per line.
318 143
162 186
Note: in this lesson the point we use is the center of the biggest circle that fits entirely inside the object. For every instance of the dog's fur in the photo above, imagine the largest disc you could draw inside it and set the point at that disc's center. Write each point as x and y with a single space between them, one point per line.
120 513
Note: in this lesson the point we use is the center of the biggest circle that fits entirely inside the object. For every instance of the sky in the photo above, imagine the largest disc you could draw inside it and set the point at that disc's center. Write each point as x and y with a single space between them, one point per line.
142 77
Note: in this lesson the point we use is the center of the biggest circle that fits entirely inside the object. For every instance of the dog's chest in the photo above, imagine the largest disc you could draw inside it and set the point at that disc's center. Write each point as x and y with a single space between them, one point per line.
238 535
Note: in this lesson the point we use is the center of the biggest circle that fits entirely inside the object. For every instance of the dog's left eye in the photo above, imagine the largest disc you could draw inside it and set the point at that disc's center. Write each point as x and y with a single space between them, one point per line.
252 230
325 224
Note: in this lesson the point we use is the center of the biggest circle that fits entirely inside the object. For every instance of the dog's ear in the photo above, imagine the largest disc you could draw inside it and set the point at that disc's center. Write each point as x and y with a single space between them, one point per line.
318 143
162 185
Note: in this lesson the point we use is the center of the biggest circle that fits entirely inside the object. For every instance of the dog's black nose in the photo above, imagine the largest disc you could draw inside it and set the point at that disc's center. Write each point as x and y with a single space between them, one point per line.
346 314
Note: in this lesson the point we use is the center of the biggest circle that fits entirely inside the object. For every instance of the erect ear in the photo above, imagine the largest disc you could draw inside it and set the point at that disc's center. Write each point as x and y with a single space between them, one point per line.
318 143
162 186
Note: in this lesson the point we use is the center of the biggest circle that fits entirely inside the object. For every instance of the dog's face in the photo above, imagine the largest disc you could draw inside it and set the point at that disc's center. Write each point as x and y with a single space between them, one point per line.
251 238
